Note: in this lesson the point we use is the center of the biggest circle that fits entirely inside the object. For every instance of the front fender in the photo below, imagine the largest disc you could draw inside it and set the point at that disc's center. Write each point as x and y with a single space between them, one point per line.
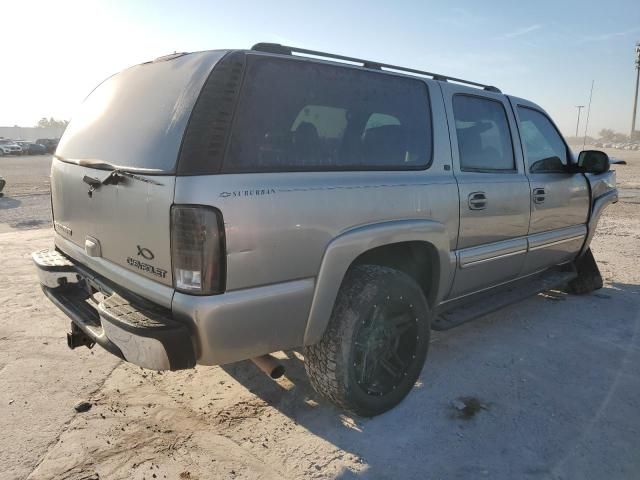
345 248
603 193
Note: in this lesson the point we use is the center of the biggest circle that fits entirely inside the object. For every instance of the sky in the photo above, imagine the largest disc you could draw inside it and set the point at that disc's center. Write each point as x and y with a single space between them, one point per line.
55 52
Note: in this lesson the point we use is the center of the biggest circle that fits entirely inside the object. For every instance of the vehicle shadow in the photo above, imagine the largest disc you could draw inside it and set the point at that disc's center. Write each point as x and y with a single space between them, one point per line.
7 203
543 388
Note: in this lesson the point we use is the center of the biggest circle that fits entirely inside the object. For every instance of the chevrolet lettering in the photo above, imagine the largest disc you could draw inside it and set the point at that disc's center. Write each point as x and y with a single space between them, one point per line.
145 267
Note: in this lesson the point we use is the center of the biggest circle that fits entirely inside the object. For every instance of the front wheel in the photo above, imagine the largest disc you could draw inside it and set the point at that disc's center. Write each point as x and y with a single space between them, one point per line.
375 345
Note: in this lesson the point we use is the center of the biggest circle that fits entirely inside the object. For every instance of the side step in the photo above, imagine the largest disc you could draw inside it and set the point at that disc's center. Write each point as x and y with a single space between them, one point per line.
480 304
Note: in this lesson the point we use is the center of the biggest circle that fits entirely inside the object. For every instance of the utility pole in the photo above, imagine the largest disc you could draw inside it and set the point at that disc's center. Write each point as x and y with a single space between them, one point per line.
586 125
579 107
635 98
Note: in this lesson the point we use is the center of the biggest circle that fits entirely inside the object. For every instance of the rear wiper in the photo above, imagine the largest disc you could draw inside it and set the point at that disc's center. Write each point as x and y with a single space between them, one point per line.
102 165
115 176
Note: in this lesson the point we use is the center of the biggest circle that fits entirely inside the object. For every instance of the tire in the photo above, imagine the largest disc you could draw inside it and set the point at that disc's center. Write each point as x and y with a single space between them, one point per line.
375 344
589 278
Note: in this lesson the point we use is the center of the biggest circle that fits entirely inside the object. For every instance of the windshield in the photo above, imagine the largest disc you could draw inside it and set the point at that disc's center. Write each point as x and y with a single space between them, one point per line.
136 118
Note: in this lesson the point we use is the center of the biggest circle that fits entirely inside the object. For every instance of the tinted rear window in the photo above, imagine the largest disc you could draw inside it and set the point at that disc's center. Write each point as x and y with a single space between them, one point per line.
136 119
300 116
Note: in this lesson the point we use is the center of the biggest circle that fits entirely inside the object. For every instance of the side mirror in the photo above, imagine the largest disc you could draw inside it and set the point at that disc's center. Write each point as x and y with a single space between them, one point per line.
593 161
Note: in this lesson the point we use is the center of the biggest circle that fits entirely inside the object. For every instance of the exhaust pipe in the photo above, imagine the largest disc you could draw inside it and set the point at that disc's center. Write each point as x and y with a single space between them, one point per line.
269 365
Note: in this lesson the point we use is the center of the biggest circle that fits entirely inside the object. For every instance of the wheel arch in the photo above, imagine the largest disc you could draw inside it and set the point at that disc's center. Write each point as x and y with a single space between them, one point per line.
417 258
396 244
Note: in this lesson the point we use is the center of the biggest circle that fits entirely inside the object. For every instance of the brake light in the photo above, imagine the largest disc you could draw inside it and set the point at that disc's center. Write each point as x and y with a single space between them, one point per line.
197 249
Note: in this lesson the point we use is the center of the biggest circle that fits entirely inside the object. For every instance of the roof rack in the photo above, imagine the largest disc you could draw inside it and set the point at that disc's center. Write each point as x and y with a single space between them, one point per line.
286 50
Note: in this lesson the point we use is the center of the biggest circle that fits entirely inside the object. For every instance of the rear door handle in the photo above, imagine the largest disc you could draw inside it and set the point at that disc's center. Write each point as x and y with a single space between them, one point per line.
538 195
477 201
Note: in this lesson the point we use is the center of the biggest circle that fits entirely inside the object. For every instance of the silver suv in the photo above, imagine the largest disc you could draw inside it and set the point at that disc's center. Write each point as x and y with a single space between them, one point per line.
217 206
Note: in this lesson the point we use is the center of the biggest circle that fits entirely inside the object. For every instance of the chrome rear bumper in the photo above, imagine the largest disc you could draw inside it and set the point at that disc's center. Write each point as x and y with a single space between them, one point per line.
131 328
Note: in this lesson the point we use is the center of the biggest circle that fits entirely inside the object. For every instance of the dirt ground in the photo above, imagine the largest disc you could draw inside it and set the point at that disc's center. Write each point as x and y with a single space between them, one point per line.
552 386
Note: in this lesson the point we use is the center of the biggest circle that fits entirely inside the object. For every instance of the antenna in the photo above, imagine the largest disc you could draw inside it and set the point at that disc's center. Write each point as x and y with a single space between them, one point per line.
584 142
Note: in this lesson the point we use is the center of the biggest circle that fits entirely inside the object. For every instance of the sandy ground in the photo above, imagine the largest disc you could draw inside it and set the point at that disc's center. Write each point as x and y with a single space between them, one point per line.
556 377
26 195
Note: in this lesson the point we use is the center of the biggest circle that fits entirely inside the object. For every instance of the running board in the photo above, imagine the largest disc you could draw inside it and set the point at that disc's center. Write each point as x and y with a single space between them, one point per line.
480 304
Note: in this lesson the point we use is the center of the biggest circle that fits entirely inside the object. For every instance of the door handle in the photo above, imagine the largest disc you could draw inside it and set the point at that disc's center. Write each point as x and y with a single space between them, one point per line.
538 195
477 201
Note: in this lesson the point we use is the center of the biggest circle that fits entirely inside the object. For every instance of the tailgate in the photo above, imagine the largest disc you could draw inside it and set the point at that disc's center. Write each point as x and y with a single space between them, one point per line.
127 224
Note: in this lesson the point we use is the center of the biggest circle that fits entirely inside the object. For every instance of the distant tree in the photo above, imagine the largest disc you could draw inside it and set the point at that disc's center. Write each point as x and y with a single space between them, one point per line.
51 122
607 134
620 138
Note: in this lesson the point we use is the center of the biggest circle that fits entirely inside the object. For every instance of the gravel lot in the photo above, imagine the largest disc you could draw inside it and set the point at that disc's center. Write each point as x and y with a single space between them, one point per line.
26 201
555 379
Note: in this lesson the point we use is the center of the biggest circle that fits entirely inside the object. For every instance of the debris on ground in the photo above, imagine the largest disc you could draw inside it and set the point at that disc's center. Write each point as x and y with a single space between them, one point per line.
468 407
82 406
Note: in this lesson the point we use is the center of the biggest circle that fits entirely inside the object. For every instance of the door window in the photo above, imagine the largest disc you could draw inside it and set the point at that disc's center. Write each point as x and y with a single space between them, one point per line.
544 149
484 137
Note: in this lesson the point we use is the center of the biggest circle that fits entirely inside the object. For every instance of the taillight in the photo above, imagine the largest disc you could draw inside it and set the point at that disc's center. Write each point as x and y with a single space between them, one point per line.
197 249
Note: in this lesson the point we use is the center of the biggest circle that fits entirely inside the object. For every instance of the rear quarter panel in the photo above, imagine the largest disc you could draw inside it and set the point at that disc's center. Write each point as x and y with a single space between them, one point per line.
278 226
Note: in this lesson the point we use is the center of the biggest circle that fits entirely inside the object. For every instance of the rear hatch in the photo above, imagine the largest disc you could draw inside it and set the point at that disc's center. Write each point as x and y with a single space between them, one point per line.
113 175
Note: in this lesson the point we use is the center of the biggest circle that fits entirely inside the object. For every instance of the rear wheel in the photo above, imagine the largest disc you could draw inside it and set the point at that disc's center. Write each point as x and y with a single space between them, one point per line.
375 345
589 278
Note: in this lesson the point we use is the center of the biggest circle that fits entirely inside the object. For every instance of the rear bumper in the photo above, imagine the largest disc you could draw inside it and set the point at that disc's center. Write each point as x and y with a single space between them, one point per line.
131 328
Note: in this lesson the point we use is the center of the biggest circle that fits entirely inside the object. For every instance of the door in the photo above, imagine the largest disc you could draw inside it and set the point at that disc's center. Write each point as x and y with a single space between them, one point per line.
559 200
493 189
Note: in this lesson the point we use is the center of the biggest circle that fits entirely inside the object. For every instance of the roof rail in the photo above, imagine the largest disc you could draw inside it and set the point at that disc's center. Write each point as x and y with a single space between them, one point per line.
286 50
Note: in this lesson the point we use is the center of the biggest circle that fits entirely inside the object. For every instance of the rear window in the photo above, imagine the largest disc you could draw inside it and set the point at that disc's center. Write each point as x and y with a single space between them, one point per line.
136 119
302 116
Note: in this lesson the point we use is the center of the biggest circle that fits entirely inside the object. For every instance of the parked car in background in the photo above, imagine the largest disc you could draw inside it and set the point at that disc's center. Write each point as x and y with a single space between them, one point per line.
10 147
31 148
49 143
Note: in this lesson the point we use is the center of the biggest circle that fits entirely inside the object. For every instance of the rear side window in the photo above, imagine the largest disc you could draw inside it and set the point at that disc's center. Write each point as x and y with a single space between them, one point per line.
544 149
302 116
484 137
